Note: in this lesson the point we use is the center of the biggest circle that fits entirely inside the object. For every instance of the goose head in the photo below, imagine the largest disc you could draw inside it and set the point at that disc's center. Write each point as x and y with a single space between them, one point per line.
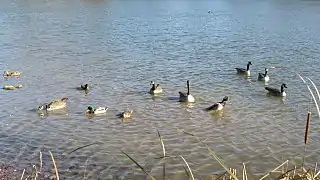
152 83
284 85
266 71
43 107
226 98
85 87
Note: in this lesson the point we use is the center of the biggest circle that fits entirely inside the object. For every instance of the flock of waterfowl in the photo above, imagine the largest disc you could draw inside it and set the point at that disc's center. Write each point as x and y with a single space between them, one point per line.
155 89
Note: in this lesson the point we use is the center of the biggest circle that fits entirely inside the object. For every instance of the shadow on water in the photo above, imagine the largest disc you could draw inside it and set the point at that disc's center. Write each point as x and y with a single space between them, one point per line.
58 112
282 100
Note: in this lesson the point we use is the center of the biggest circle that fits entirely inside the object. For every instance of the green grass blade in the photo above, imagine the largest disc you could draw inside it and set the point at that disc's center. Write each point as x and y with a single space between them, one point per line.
139 165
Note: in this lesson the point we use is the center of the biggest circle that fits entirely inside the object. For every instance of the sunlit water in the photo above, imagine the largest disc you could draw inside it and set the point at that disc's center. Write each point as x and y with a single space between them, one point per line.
119 46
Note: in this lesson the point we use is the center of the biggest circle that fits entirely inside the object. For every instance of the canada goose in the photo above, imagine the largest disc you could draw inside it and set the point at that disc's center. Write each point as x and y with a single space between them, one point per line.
12 87
219 105
155 89
277 92
186 97
127 113
99 110
54 105
14 73
244 71
263 77
84 87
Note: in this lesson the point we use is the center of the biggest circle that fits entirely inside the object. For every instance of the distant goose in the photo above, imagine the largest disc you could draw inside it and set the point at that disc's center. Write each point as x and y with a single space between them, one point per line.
84 87
219 105
99 110
244 71
14 73
186 97
155 89
12 87
277 92
263 77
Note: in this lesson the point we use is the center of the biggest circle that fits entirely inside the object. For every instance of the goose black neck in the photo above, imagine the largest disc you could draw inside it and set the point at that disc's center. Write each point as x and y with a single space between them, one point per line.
248 65
265 73
282 89
188 88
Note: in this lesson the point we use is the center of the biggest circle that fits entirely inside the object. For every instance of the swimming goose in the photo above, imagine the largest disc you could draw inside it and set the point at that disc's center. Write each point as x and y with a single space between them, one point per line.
219 105
263 77
155 89
54 105
99 110
277 92
244 71
14 73
84 87
127 113
12 87
186 97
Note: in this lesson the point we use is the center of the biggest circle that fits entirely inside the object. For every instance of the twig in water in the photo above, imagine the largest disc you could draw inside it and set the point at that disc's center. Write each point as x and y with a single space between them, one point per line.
81 148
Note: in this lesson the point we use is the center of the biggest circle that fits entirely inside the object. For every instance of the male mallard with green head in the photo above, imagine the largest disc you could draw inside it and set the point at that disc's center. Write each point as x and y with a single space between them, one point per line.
99 110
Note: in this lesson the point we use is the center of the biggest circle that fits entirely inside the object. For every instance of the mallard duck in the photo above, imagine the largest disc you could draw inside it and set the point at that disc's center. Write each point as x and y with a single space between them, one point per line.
277 92
244 71
54 105
127 113
263 77
219 105
155 89
12 87
14 73
186 97
99 110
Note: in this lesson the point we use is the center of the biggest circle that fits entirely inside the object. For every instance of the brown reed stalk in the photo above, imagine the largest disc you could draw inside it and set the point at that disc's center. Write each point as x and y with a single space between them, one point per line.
55 166
22 174
164 155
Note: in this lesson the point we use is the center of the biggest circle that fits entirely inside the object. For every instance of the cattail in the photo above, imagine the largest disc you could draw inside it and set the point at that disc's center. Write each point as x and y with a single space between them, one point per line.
306 135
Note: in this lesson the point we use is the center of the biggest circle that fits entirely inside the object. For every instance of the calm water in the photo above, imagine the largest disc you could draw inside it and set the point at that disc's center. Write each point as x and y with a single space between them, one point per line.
119 46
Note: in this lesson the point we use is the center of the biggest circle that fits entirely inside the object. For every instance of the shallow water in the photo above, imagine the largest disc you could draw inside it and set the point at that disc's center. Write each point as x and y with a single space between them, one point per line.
119 46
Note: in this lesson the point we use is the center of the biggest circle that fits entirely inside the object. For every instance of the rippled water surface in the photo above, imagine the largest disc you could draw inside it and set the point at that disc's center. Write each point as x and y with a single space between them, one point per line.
119 46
